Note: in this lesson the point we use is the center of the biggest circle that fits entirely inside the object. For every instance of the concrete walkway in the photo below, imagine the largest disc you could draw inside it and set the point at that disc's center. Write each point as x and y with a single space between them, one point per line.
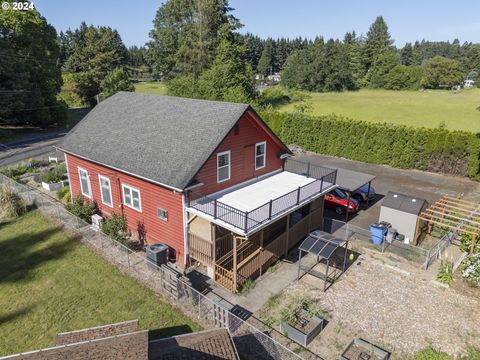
266 286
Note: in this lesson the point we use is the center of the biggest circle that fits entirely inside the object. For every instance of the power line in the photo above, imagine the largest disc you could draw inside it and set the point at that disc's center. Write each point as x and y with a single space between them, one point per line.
28 58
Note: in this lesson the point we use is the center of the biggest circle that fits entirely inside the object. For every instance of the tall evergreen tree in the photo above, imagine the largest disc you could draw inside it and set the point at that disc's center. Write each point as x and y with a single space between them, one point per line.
266 62
96 51
186 34
406 54
378 41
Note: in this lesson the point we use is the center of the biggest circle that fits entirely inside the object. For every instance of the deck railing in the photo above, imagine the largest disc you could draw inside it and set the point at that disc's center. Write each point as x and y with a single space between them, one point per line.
324 177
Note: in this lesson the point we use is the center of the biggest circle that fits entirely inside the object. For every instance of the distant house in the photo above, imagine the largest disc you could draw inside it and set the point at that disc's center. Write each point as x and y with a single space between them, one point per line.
276 78
209 179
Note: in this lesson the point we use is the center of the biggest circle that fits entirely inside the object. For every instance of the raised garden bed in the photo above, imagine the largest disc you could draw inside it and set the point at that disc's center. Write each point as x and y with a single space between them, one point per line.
360 349
303 328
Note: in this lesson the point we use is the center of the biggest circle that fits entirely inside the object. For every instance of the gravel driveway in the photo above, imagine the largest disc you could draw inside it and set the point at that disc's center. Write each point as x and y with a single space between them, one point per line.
400 312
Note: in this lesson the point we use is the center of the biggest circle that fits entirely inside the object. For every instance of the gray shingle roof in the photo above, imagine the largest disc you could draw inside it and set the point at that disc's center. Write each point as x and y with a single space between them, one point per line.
160 138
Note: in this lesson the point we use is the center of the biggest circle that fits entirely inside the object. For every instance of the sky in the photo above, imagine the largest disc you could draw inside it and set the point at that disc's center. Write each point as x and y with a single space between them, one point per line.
408 20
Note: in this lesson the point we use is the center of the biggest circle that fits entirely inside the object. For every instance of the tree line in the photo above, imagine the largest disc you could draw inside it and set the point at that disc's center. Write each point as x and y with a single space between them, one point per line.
196 48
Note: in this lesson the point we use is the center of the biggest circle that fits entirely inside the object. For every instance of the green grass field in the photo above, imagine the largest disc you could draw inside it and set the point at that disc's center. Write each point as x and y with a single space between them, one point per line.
458 111
151 87
50 283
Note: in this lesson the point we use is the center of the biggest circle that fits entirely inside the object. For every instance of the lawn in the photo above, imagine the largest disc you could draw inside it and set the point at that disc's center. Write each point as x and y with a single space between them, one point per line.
151 87
51 283
458 111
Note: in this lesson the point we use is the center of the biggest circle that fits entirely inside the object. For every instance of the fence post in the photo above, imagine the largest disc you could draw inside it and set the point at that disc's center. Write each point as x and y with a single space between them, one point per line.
321 184
298 195
308 169
270 210
215 208
246 221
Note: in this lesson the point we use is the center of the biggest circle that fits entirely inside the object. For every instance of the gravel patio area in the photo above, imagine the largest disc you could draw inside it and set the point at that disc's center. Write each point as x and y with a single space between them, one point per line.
401 310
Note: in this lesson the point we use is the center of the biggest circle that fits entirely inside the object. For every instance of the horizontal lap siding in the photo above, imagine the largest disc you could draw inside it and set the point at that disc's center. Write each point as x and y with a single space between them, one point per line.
242 167
152 196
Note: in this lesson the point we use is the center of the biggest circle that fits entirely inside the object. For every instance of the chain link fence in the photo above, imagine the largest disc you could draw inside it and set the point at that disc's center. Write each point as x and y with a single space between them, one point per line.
421 256
253 339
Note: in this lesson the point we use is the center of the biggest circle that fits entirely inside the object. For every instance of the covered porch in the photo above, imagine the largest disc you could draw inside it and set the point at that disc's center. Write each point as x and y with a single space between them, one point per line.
238 234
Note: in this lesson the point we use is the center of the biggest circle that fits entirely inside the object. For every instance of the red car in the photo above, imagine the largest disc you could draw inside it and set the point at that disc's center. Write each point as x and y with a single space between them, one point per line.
337 200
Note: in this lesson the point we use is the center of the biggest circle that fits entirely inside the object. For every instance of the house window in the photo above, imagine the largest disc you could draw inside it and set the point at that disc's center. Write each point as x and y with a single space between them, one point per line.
131 197
223 166
162 214
105 190
260 155
85 182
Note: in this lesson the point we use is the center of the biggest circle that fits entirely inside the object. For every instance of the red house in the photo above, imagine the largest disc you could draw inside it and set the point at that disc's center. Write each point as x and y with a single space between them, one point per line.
209 179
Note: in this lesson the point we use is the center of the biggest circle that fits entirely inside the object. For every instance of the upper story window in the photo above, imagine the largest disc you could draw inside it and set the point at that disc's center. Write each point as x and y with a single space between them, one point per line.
131 197
105 190
260 150
85 182
223 166
162 214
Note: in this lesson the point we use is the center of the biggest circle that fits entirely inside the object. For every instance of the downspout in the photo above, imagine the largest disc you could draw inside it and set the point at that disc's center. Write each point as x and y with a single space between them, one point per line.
120 194
185 230
69 179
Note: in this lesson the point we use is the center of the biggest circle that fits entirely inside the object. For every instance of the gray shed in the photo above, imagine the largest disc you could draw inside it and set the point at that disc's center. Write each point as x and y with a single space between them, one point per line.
402 212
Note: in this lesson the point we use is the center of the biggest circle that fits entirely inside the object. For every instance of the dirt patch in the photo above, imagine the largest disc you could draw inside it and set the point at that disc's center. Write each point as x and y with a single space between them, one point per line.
402 312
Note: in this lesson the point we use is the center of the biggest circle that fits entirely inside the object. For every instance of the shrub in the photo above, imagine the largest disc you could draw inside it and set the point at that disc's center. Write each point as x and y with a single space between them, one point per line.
35 163
437 150
471 270
11 204
15 172
466 243
445 272
54 175
62 192
248 285
82 208
117 228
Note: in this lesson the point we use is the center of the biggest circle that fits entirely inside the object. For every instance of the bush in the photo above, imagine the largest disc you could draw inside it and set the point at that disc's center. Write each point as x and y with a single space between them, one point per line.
117 228
62 192
82 208
15 172
437 150
54 175
11 204
471 270
445 273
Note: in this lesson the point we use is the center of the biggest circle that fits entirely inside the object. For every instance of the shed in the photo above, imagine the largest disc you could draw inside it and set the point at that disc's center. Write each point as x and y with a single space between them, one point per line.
402 212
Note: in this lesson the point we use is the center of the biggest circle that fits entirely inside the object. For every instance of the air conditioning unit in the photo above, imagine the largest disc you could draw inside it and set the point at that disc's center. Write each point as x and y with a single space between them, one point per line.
97 221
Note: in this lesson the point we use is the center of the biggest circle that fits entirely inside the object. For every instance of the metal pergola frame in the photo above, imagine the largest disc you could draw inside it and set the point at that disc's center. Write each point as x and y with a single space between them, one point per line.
323 245
455 214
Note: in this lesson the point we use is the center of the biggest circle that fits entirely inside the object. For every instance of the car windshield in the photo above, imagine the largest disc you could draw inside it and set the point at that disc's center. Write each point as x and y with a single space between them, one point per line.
340 194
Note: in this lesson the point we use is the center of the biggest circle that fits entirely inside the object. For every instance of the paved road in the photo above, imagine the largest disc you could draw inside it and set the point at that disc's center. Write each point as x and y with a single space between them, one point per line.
31 149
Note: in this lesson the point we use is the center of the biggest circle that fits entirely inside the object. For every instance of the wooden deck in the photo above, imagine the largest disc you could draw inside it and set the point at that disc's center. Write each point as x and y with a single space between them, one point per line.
236 259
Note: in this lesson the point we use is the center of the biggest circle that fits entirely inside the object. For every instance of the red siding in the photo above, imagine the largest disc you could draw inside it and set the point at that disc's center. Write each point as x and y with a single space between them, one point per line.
242 153
152 196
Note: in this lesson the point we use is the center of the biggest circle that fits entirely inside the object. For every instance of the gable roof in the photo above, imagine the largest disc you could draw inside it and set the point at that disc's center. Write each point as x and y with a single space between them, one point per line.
164 139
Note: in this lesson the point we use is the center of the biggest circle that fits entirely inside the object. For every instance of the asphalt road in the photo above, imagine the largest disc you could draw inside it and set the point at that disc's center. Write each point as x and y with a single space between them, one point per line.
32 148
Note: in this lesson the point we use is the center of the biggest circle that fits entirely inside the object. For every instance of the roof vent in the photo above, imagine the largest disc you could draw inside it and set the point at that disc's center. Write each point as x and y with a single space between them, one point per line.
395 195
414 200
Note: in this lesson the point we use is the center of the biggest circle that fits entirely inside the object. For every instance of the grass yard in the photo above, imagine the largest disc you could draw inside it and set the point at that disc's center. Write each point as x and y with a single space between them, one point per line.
428 108
50 283
151 87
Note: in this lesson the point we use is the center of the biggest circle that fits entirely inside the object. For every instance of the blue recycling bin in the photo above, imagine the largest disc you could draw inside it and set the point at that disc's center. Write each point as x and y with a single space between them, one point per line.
378 231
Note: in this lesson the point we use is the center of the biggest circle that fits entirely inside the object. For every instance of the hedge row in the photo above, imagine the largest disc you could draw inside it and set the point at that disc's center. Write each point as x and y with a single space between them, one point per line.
437 150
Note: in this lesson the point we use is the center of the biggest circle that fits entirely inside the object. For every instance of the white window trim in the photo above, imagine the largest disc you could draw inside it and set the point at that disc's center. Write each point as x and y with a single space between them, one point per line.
229 166
264 143
139 197
166 211
88 182
100 177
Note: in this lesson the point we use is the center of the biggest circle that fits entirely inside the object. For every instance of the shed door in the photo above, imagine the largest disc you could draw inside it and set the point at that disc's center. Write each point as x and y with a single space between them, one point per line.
248 161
